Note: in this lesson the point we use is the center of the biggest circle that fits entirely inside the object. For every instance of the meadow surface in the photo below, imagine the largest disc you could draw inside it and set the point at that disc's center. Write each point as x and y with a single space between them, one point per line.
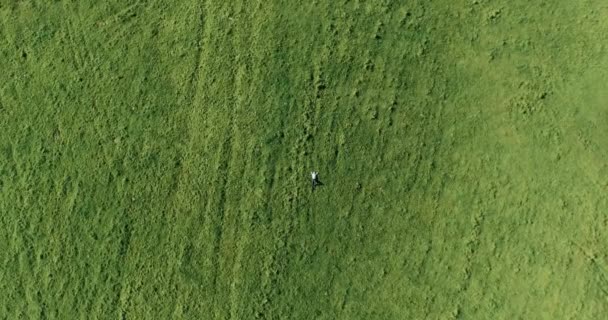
155 159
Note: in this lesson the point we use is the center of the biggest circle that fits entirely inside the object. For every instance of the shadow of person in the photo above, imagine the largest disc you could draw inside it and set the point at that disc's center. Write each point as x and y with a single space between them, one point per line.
317 183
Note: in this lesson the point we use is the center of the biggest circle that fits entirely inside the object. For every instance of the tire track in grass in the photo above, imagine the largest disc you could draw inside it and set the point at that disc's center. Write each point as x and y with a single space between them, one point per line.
194 77
273 215
220 144
248 221
227 226
227 221
241 231
224 165
209 124
240 234
185 181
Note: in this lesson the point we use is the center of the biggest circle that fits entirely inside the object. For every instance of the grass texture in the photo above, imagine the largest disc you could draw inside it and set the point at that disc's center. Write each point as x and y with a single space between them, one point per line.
154 159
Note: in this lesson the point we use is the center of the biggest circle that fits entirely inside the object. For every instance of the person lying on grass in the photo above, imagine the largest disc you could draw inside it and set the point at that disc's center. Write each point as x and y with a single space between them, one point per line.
315 179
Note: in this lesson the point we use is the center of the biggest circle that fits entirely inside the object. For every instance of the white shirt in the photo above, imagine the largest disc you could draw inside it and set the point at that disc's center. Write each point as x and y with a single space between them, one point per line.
314 175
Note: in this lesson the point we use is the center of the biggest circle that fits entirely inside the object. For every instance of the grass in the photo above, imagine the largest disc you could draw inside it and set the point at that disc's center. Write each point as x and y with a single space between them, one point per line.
154 159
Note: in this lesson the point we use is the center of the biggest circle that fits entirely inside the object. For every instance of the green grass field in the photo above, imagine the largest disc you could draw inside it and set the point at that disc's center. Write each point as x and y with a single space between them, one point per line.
155 159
